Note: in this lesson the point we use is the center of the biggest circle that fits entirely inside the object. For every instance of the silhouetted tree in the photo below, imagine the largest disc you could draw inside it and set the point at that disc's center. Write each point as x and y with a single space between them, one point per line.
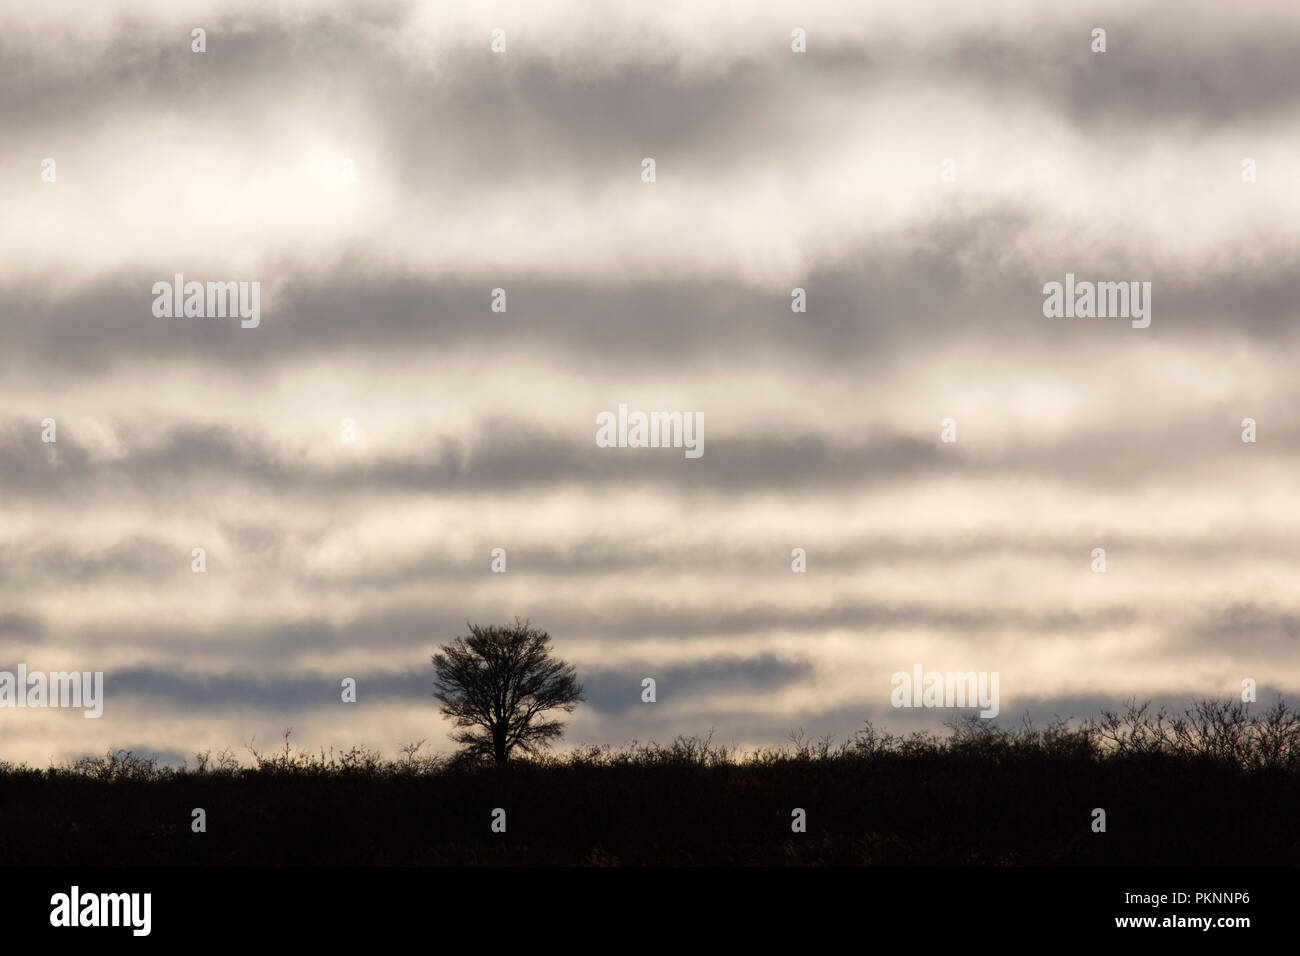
496 682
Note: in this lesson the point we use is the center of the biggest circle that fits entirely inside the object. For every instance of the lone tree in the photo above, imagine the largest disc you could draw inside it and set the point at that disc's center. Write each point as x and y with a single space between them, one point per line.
496 682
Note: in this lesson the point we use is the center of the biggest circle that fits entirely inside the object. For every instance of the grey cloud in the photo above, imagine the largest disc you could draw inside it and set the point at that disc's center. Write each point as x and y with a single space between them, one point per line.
518 455
612 691
289 692
419 629
1252 632
866 303
26 626
63 565
218 693
277 550
949 280
543 112
1156 73
147 64
653 620
512 455
601 556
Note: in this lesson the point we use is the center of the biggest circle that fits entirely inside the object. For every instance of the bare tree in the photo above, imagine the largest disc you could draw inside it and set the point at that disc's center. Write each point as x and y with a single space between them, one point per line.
497 682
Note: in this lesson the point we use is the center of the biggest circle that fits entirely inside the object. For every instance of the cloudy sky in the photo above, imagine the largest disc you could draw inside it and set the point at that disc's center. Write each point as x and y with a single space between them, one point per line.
379 169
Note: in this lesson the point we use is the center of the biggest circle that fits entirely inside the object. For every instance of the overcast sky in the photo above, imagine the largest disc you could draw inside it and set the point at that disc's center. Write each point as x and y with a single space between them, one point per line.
522 170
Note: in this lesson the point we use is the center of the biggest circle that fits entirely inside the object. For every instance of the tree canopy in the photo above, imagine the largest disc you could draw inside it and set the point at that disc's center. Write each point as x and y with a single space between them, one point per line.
497 682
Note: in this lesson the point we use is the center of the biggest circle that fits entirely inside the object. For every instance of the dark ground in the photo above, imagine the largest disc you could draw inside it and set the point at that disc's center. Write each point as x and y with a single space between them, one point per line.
979 797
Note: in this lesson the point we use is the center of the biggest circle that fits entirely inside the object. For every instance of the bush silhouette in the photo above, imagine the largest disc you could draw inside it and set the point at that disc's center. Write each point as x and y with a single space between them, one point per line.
1216 784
